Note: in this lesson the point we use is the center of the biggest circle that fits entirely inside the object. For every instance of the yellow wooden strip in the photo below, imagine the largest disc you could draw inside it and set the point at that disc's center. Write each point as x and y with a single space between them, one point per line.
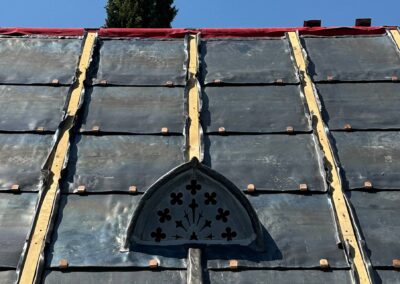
396 36
342 211
37 241
193 101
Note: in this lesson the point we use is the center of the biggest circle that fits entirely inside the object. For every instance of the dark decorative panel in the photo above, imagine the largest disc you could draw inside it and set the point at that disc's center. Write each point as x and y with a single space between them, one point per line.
353 58
377 215
142 62
254 109
362 105
193 205
270 162
16 216
38 60
247 61
27 108
114 163
21 159
369 156
136 109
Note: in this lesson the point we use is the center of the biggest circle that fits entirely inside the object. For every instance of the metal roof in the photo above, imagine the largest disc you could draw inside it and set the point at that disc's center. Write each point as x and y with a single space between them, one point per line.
99 145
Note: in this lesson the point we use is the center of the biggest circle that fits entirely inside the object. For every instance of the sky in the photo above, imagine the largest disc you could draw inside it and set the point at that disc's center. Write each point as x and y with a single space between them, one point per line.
206 13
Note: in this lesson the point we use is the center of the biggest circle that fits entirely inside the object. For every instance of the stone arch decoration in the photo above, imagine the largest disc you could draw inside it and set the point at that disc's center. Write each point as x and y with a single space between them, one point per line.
194 205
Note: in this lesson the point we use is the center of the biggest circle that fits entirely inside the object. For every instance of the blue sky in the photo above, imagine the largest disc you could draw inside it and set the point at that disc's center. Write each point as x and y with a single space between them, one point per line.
206 13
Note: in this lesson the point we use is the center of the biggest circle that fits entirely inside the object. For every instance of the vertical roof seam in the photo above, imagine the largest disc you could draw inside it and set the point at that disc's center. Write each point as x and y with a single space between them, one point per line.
339 201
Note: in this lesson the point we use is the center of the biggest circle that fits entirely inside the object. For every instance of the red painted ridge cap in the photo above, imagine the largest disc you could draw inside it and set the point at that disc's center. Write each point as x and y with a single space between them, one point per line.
42 31
279 32
242 32
149 33
205 32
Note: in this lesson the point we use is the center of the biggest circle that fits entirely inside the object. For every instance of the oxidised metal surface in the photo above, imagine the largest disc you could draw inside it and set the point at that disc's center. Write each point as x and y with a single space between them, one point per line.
281 277
387 276
299 230
270 162
362 105
142 62
38 60
114 163
25 108
135 109
370 155
8 276
116 277
16 214
378 219
253 109
352 58
247 61
21 159
194 269
90 231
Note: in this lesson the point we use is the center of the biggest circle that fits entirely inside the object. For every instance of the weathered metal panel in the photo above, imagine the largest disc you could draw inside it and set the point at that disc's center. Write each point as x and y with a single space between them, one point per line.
281 277
254 109
38 60
270 162
114 163
21 158
26 108
377 216
16 214
116 277
135 109
90 231
362 105
352 58
141 62
247 61
299 230
387 276
369 155
8 276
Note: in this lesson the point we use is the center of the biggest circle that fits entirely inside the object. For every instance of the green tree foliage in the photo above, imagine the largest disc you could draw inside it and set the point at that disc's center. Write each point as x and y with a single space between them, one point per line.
140 13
